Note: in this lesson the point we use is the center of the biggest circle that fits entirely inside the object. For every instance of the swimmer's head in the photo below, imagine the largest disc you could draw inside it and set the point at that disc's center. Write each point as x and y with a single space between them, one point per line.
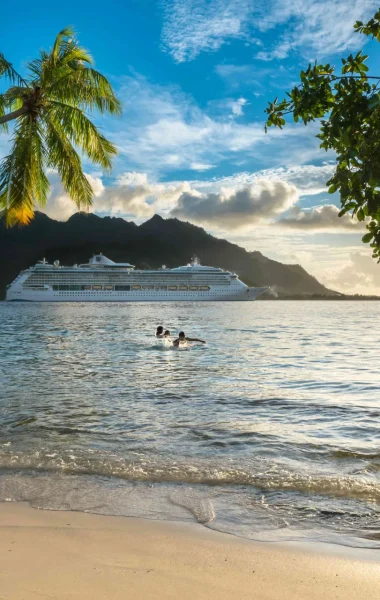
167 332
160 330
181 334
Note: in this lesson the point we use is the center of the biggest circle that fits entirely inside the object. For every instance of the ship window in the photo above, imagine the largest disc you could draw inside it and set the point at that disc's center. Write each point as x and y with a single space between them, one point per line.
97 287
122 288
136 287
172 288
64 287
75 287
193 288
108 287
98 259
204 288
182 287
86 287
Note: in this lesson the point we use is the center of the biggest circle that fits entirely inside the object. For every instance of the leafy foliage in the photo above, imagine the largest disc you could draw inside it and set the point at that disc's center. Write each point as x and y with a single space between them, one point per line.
51 127
348 105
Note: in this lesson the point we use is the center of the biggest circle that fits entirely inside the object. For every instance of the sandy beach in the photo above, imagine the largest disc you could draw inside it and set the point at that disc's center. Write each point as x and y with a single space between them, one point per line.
69 555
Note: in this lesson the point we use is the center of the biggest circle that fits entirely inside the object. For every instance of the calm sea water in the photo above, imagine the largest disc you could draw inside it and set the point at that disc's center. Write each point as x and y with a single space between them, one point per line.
270 431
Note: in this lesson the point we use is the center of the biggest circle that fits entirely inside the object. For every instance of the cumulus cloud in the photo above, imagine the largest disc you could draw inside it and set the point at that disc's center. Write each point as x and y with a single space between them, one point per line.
361 275
310 180
320 217
132 195
235 209
59 205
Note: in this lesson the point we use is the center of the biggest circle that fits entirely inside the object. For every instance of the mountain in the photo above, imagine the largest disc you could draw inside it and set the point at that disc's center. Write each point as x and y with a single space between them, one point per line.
154 243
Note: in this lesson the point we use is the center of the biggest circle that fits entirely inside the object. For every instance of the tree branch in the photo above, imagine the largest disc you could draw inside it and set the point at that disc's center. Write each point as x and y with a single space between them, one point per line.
13 115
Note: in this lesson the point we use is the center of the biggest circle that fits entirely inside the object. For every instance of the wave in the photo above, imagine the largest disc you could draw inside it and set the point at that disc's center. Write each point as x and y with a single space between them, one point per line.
261 473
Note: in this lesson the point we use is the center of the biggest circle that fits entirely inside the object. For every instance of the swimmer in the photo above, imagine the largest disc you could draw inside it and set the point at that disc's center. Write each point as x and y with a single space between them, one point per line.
182 339
160 331
167 333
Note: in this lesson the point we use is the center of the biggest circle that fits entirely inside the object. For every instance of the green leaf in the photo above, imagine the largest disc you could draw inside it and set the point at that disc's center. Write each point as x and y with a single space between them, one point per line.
360 215
367 238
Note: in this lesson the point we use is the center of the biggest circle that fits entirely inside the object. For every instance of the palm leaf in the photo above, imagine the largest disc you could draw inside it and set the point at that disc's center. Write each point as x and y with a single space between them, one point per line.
23 181
63 157
7 69
83 133
87 87
60 40
52 127
3 105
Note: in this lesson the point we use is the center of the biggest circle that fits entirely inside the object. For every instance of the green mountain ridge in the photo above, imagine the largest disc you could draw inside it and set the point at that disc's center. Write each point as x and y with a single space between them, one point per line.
156 242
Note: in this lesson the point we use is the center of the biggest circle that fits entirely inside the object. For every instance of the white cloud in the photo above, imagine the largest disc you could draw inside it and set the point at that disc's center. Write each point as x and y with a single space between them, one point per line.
360 275
320 218
238 106
310 180
315 28
59 205
194 26
237 209
196 166
132 195
165 130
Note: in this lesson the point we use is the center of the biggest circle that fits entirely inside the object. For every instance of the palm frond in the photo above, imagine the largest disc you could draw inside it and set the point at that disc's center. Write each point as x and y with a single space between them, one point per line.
23 182
7 69
3 105
52 128
61 39
86 87
35 66
14 97
83 133
63 157
64 57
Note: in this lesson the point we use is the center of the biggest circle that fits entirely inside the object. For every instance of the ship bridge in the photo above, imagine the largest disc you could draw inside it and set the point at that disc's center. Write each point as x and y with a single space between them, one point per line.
98 260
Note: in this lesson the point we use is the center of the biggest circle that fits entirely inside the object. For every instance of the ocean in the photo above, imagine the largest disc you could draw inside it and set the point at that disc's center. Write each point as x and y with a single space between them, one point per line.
271 431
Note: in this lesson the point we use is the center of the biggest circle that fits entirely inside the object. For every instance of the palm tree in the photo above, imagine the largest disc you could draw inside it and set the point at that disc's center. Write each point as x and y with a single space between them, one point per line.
51 126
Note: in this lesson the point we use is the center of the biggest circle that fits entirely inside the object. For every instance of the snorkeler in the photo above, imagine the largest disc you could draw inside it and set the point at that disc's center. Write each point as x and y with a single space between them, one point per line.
160 331
182 338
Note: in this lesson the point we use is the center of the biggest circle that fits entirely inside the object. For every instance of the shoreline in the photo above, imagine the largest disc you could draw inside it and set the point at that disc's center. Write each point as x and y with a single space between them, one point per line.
73 555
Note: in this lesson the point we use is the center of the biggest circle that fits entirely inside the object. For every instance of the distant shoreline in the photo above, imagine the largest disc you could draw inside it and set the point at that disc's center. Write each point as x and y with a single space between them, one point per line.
344 298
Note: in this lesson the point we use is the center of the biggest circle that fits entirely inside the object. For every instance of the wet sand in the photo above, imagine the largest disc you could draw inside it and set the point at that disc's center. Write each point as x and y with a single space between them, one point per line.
69 555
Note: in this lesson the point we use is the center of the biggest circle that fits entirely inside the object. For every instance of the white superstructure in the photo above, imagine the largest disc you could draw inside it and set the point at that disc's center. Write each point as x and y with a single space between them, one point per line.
102 280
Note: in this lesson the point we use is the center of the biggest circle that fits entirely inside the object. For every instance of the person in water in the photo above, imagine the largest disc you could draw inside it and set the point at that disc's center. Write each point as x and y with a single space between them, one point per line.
182 339
167 333
160 331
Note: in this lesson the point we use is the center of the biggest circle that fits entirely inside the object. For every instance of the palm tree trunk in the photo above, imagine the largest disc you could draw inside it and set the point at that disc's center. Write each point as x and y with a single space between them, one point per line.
13 115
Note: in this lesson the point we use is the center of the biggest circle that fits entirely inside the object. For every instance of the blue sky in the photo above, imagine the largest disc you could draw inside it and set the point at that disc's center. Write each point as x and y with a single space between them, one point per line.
194 77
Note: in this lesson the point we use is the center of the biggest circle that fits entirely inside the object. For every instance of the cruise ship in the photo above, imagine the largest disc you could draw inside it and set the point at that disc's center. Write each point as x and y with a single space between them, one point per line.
102 280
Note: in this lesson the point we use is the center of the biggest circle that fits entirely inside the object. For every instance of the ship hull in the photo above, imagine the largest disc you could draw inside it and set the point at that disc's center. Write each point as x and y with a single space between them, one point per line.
247 295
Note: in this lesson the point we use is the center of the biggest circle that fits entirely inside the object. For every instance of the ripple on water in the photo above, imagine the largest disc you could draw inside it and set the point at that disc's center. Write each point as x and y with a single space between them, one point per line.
269 430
